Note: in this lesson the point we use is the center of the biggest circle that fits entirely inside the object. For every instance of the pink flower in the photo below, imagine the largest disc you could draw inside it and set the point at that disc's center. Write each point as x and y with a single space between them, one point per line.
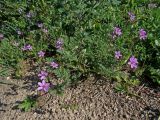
27 47
133 62
43 86
132 16
142 34
59 44
116 32
42 75
29 14
41 54
118 54
40 25
54 65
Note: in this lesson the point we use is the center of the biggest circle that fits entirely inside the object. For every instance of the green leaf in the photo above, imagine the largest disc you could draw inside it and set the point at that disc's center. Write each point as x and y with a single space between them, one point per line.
120 88
157 43
27 104
116 2
62 73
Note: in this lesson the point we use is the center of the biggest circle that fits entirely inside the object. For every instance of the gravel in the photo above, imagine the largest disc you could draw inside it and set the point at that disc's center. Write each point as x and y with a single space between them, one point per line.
90 100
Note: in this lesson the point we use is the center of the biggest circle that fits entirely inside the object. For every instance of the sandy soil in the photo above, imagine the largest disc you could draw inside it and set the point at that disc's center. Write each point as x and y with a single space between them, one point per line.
90 100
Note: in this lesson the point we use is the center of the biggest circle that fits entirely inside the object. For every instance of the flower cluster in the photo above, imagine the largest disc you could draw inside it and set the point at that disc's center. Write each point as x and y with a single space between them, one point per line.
114 44
43 86
142 35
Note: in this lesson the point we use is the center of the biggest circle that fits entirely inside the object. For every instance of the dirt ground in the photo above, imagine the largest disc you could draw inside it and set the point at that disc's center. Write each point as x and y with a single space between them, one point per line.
90 100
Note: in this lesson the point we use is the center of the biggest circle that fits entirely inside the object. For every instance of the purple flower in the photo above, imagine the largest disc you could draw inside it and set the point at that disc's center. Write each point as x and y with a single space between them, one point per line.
1 36
40 25
43 86
41 54
19 32
27 47
54 65
118 54
133 62
42 75
116 32
142 34
59 44
132 16
29 15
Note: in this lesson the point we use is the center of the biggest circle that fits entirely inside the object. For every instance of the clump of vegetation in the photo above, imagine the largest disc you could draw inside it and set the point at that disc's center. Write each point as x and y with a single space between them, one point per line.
72 39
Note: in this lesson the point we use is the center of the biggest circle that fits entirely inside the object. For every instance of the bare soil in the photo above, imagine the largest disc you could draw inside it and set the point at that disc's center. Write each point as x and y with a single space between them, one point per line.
90 100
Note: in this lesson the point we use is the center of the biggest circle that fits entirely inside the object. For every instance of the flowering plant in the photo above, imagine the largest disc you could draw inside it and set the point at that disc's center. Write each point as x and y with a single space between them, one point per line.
69 40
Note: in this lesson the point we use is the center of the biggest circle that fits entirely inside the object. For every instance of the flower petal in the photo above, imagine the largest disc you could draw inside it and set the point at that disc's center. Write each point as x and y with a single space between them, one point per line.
43 82
40 88
40 84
